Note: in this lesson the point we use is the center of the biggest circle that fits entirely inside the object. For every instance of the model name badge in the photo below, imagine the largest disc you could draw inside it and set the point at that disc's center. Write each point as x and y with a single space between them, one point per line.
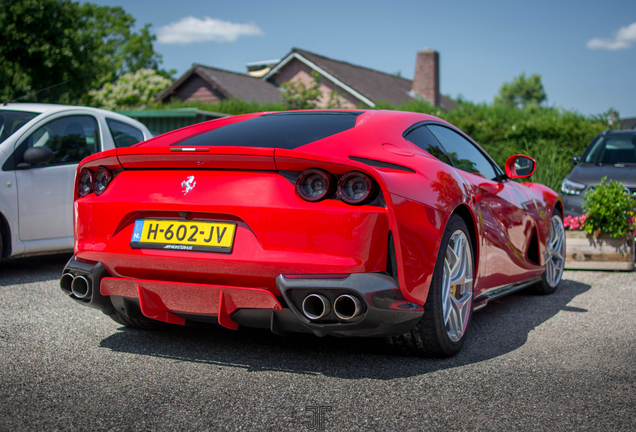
180 247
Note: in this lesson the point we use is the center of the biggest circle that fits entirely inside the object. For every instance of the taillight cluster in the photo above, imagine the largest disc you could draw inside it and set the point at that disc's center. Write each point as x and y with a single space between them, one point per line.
355 187
97 182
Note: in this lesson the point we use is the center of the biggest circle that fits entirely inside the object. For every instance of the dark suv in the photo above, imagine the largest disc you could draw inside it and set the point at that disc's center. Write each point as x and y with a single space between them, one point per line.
612 154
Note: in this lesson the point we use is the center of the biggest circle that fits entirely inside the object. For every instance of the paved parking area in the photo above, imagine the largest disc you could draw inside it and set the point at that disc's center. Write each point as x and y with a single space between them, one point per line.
561 362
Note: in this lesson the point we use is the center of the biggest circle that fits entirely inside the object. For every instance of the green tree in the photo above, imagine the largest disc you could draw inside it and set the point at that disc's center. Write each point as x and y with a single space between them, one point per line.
522 92
131 90
334 101
119 50
299 96
44 42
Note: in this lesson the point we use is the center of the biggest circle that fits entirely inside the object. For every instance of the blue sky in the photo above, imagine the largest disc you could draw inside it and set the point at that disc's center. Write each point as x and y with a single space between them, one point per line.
481 44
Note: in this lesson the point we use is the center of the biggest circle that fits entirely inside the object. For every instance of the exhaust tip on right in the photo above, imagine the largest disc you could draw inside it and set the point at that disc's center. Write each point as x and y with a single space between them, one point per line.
347 307
81 287
316 306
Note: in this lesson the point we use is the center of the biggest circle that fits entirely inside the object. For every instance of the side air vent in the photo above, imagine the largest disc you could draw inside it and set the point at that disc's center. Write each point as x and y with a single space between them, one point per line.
533 248
391 260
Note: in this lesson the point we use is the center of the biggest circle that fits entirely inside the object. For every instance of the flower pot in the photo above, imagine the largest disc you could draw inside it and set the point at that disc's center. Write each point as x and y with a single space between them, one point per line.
585 251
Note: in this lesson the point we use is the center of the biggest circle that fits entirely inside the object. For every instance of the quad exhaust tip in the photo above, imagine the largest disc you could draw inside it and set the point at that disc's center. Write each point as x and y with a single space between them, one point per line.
316 306
66 281
81 287
347 307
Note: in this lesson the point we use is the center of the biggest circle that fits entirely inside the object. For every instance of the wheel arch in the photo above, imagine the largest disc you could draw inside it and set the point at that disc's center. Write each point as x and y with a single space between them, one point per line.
558 205
463 211
5 231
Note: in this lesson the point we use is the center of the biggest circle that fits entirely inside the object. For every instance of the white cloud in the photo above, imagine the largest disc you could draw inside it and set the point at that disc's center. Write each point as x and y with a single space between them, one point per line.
624 38
191 29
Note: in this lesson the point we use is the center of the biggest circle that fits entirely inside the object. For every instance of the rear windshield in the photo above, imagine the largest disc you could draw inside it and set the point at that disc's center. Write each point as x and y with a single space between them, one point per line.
280 130
11 121
612 149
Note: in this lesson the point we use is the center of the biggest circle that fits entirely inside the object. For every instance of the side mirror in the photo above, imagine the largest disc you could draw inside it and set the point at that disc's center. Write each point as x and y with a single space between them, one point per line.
38 155
575 160
519 166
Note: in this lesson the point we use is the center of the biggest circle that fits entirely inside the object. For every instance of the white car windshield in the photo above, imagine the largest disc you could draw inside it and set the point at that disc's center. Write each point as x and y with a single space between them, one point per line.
11 121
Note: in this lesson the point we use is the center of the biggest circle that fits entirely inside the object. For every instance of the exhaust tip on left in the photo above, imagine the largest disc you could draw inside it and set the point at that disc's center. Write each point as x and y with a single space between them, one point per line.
316 306
66 281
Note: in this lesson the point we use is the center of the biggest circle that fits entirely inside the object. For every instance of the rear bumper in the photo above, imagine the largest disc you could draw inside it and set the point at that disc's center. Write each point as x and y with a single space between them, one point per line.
383 312
277 232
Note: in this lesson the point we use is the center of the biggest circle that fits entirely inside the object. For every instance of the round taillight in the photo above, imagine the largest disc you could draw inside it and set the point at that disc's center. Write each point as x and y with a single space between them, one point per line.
315 185
103 176
356 188
85 182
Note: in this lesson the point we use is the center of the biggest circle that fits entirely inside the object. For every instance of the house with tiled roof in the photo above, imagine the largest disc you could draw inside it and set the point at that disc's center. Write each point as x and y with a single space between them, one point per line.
350 85
210 85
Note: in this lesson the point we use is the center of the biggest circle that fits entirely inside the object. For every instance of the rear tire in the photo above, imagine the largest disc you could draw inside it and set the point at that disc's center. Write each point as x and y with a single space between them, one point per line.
442 330
554 257
145 324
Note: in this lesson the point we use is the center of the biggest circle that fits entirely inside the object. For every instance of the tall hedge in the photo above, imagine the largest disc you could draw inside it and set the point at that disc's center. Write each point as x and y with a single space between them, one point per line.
552 136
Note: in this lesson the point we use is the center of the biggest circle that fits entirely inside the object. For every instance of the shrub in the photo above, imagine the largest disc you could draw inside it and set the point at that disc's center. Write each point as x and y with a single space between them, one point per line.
609 209
130 91
575 223
552 162
298 96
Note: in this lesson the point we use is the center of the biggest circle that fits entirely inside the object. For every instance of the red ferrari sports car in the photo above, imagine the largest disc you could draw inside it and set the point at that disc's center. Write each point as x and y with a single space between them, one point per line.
342 222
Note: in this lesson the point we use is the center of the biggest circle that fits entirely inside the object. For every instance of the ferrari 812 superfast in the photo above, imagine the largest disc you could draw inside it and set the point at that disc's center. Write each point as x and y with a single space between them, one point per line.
347 223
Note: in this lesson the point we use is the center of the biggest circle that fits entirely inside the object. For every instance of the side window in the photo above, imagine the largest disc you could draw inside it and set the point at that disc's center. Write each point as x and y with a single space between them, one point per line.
11 121
70 139
124 134
425 140
463 153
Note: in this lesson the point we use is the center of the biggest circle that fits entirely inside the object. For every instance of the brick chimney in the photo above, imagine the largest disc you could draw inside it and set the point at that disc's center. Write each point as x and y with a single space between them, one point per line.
426 79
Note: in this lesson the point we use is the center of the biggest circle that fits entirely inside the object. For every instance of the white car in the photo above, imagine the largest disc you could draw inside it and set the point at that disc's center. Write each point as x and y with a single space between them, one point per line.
40 147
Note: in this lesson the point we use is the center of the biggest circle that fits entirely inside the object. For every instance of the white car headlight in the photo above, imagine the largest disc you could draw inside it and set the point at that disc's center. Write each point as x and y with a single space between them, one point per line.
572 188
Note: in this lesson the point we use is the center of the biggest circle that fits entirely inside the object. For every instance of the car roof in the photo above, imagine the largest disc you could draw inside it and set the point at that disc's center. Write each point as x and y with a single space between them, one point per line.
41 108
48 109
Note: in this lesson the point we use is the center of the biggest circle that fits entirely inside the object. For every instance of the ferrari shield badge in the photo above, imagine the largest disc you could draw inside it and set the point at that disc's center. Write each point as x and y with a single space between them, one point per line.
188 184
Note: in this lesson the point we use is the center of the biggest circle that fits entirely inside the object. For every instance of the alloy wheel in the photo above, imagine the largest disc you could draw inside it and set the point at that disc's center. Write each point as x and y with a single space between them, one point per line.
457 285
555 253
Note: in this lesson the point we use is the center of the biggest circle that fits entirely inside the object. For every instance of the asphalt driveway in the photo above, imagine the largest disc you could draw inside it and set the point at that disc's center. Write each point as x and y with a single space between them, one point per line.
560 362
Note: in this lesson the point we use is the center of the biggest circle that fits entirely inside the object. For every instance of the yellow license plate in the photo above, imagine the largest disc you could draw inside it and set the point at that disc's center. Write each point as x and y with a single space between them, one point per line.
171 234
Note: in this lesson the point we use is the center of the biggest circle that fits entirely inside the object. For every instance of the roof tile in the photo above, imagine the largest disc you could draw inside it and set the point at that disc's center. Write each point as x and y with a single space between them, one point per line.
375 85
241 86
